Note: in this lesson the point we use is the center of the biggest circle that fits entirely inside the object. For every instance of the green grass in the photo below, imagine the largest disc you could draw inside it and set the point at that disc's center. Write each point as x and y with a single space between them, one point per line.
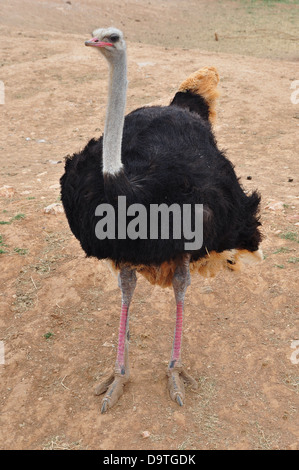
282 250
292 236
21 251
293 259
2 246
48 335
16 217
272 2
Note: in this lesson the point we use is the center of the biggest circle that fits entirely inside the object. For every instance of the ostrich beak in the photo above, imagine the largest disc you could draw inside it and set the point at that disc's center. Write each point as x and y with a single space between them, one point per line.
95 42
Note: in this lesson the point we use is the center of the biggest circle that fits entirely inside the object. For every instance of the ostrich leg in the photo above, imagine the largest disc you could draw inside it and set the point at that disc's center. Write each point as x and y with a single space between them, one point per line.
115 383
176 374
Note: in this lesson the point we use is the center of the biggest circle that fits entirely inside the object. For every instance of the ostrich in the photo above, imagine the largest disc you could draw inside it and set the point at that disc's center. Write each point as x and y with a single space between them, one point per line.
155 155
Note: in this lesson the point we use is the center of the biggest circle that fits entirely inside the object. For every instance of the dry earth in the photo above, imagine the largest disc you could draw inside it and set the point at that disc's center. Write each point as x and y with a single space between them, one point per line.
60 311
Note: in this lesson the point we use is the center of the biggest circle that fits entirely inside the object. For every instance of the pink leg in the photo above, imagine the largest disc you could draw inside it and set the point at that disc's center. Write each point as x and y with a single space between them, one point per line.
122 333
181 281
113 386
177 343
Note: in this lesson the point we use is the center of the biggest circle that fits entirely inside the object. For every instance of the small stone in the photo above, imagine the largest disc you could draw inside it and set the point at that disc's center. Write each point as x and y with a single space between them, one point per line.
7 191
54 208
145 434
275 206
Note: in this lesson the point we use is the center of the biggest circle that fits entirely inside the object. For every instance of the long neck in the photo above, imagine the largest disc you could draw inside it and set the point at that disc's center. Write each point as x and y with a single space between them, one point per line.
115 116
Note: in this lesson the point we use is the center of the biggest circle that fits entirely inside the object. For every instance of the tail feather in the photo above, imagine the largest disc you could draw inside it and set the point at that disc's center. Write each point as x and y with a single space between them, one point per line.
199 93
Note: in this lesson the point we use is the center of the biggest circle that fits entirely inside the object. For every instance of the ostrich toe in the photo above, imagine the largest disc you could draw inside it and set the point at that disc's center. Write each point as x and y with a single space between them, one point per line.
176 378
114 387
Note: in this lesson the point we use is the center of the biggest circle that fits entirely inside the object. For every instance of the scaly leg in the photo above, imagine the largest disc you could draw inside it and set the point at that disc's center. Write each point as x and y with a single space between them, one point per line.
115 383
176 373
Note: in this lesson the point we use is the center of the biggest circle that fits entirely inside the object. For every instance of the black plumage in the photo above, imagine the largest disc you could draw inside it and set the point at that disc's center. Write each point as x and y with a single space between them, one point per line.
169 155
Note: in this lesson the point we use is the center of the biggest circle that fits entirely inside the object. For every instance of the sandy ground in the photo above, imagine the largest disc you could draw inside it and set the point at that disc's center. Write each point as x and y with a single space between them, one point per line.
60 311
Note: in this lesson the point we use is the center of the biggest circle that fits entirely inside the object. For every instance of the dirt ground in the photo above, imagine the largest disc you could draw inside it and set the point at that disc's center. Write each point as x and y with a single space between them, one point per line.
60 311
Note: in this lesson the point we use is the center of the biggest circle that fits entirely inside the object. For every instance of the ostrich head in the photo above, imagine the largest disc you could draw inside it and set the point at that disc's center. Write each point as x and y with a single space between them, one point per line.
110 42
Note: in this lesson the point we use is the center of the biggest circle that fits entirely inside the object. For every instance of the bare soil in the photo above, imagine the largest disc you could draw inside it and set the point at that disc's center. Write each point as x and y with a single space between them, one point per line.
60 311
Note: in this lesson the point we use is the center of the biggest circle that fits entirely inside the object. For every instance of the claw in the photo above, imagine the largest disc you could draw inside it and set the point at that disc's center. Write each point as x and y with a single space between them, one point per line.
113 387
104 406
176 378
179 400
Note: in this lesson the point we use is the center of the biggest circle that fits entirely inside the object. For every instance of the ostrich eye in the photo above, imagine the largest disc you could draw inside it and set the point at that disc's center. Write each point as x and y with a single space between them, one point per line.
114 37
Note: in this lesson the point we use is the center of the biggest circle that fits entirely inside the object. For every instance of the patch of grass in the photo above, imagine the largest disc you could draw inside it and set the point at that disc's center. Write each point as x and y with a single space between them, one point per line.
293 259
273 2
280 266
48 335
16 217
21 251
2 246
283 249
292 236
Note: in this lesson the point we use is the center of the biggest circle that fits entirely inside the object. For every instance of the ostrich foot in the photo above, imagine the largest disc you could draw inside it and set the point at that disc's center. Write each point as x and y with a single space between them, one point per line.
114 387
176 378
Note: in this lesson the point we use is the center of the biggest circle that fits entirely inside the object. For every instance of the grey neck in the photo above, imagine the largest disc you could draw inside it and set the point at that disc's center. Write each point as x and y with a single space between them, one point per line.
115 115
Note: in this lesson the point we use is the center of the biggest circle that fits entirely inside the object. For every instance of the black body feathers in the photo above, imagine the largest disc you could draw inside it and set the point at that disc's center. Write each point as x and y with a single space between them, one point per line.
169 155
